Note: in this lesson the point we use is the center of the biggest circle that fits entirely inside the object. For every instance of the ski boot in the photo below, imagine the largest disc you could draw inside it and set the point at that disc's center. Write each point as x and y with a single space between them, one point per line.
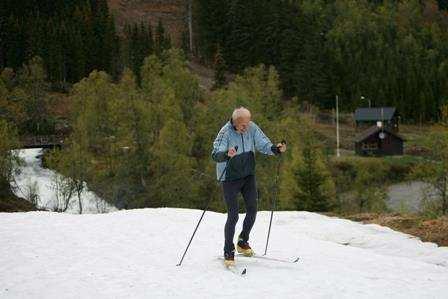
244 248
229 258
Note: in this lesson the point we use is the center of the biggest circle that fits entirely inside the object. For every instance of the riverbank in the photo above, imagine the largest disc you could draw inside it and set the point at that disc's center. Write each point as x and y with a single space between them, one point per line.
10 203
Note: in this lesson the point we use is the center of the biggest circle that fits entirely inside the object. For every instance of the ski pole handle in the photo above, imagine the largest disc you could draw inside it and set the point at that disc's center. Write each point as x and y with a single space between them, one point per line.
282 142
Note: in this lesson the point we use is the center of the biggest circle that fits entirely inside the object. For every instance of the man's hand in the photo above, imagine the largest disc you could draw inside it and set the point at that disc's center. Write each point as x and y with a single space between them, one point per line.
281 147
231 152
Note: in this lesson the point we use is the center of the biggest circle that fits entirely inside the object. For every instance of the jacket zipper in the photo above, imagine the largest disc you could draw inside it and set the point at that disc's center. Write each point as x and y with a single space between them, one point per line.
242 141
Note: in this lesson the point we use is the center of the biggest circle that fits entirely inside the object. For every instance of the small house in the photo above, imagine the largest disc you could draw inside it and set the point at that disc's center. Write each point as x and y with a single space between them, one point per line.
379 141
387 117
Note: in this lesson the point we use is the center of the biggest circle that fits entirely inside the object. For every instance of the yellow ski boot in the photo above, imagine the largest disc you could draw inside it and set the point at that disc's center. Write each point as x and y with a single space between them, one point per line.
244 248
229 259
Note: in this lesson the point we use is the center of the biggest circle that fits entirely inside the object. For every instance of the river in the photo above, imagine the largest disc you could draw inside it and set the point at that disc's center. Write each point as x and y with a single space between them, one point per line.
35 183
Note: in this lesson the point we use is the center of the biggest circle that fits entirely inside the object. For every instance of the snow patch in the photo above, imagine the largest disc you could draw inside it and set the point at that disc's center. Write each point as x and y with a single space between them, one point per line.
133 254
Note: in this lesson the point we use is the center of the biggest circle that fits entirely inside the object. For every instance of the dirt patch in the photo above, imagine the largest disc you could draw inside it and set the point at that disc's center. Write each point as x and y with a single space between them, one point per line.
172 14
432 230
14 204
205 75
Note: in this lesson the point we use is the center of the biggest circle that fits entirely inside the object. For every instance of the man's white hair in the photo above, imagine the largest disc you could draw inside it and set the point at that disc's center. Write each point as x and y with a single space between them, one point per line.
241 112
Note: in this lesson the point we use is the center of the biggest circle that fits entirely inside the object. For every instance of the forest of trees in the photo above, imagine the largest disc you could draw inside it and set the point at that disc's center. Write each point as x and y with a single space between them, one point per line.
73 37
392 52
149 144
142 128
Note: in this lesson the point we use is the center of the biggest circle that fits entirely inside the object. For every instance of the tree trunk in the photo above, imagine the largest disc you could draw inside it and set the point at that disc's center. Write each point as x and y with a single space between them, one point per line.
444 197
80 201
190 24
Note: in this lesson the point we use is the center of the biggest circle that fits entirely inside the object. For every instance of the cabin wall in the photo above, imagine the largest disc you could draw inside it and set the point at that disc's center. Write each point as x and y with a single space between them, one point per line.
391 145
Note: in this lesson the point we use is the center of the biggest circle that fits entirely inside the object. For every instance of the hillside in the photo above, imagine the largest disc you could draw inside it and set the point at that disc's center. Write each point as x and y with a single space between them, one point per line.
171 13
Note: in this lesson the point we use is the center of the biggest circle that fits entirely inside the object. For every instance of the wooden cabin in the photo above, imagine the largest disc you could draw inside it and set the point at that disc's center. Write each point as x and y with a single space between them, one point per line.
379 141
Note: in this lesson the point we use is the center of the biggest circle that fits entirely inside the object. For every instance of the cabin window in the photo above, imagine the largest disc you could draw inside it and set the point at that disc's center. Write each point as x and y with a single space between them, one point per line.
369 146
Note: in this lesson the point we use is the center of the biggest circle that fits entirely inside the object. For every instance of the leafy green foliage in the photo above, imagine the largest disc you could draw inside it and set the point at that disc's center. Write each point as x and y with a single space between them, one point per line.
133 144
24 98
8 159
435 172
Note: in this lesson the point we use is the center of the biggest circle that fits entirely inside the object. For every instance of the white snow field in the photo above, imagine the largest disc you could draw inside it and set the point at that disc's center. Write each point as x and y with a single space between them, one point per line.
133 254
32 174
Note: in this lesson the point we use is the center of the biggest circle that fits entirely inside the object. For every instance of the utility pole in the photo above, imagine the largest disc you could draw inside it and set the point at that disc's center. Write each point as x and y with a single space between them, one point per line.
190 24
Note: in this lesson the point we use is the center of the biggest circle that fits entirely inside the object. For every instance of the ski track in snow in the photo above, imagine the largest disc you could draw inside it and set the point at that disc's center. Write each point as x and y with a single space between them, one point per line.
133 254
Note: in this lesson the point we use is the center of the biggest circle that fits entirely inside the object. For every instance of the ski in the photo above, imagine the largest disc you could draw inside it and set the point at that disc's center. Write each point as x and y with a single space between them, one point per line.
289 261
235 270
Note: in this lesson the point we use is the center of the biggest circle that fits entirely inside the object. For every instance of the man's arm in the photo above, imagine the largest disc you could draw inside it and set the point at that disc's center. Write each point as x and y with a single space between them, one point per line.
220 146
263 144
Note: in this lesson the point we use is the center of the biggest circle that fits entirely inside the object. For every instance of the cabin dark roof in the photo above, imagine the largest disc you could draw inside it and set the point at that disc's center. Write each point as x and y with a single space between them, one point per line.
373 130
374 114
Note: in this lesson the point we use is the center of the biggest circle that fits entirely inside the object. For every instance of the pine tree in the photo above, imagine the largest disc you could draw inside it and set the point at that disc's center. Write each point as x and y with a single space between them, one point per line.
15 43
77 57
212 22
443 4
240 45
162 40
220 69
314 188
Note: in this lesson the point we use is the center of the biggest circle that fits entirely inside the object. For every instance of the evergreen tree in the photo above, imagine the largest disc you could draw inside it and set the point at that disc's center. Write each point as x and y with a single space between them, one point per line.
312 186
240 43
162 40
443 4
220 69
73 37
213 25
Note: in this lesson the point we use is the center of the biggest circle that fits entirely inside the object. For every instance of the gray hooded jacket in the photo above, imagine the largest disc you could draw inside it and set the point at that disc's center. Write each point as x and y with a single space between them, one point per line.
243 163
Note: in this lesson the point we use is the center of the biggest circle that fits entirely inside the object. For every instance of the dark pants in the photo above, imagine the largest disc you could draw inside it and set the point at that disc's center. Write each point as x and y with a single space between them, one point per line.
247 187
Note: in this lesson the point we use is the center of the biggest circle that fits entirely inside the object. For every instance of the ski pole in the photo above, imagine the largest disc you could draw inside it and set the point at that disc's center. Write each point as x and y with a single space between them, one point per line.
203 212
273 201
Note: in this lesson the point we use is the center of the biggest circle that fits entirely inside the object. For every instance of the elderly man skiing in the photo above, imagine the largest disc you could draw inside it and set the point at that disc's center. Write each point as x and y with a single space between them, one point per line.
234 151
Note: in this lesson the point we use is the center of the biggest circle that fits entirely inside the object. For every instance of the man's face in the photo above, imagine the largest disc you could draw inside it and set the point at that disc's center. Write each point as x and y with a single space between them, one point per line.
242 124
